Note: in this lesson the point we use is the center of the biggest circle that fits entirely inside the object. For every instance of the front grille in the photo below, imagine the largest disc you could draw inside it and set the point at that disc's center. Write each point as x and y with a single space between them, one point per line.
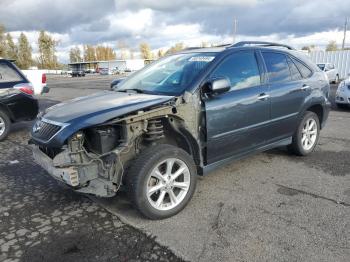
44 131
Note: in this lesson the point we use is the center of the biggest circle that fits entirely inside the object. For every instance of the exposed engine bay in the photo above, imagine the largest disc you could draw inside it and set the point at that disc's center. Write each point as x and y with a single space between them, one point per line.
94 160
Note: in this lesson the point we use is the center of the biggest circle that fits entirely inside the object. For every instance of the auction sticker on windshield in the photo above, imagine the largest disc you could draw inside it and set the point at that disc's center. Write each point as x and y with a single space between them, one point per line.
201 58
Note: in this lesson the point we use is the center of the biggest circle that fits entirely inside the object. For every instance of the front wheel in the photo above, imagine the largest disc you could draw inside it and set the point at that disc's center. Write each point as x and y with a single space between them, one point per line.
307 135
161 181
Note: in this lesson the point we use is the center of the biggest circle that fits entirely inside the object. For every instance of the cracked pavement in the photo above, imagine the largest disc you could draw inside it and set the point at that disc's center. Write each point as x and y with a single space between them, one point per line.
268 207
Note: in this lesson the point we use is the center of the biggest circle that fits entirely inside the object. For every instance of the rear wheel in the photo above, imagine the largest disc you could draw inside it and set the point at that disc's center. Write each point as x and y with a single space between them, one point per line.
306 137
5 125
161 181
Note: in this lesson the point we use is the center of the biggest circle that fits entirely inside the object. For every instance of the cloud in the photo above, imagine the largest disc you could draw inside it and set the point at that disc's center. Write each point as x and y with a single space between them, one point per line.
163 23
55 16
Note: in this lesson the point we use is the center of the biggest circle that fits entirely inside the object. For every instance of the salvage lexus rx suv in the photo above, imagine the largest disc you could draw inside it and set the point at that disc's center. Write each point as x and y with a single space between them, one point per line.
182 116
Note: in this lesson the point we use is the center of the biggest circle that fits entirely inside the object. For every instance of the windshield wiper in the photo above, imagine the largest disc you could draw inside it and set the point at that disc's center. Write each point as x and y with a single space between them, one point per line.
140 91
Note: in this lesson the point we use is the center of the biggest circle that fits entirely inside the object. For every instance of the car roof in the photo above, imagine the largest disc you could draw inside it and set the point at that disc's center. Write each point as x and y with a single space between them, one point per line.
254 45
239 45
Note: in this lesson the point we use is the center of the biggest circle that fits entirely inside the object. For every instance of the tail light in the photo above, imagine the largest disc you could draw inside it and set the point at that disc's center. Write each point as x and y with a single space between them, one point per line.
25 88
43 78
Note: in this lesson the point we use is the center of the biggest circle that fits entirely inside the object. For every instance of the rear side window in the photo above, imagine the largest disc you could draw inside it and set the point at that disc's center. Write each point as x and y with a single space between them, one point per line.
294 72
277 67
8 74
304 70
241 69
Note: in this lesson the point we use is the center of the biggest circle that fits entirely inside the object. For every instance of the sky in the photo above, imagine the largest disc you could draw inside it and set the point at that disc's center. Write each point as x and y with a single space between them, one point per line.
162 23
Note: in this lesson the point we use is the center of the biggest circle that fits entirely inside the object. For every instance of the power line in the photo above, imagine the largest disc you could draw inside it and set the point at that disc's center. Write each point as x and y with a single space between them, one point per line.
345 29
234 30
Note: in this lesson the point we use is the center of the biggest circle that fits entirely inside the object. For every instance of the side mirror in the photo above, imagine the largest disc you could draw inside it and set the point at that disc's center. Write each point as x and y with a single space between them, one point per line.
218 85
115 83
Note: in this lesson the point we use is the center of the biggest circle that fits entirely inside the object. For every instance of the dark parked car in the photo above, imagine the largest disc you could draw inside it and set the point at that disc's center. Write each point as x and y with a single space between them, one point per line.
78 73
183 115
16 100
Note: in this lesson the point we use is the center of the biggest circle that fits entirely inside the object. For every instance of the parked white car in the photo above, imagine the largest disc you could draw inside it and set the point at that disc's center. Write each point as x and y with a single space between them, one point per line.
331 71
38 80
342 97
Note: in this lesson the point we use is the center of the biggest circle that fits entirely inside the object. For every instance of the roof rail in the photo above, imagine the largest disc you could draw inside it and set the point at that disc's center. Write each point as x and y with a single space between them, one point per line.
261 43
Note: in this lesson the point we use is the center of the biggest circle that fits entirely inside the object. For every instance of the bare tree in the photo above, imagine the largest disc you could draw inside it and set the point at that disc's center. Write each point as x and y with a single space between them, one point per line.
75 55
332 46
145 50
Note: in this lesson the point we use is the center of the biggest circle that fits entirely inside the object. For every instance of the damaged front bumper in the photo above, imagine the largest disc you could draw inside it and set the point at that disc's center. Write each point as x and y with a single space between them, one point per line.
76 177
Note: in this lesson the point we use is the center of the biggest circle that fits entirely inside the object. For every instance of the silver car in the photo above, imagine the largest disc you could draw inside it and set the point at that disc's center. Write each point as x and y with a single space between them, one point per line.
342 97
331 72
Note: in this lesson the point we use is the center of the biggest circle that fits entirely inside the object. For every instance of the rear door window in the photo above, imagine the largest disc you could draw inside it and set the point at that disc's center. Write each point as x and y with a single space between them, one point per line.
8 74
277 67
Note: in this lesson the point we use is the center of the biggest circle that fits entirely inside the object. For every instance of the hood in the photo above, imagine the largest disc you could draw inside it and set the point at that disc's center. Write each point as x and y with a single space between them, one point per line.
100 107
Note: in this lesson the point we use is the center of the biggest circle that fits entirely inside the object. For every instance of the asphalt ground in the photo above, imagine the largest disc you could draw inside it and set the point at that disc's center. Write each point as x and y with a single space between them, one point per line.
269 207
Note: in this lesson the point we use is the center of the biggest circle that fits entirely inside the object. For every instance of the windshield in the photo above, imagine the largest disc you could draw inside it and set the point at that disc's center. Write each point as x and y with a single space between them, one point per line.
321 66
168 76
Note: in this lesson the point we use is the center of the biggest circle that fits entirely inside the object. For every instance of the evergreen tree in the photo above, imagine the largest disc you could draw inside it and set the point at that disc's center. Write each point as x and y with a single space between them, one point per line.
24 56
2 41
11 48
47 51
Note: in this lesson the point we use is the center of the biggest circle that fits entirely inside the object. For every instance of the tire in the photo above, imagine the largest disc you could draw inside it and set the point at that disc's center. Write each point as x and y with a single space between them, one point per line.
142 179
5 125
301 138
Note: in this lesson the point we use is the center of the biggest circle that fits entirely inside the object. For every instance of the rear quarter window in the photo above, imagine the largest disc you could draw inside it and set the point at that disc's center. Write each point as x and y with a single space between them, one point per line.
304 70
8 74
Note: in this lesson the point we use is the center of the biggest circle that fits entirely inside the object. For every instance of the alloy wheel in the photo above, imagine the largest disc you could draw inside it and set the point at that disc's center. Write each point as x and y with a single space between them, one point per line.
168 184
2 126
309 134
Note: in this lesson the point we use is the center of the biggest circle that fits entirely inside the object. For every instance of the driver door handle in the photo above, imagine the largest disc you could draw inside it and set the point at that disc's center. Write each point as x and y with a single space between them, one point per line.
263 96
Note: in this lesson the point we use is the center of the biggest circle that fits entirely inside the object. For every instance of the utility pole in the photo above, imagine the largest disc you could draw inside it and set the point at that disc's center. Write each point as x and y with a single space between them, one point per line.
345 29
234 29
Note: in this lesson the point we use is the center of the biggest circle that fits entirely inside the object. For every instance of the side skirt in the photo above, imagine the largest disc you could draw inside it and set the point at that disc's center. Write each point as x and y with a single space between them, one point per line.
209 168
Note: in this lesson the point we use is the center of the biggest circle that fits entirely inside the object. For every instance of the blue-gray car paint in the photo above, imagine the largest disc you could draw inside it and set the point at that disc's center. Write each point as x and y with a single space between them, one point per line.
231 133
95 109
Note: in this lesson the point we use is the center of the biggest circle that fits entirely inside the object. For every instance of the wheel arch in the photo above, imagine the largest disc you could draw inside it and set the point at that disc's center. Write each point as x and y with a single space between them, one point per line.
176 132
5 109
318 110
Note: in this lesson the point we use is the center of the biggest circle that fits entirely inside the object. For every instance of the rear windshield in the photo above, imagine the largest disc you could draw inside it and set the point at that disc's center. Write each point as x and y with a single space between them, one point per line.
8 74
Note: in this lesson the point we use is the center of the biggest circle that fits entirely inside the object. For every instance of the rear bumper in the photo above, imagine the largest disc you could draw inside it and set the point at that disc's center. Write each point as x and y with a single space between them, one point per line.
72 176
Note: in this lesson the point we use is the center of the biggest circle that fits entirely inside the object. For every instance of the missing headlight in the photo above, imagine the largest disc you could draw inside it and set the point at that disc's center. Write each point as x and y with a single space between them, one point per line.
101 140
